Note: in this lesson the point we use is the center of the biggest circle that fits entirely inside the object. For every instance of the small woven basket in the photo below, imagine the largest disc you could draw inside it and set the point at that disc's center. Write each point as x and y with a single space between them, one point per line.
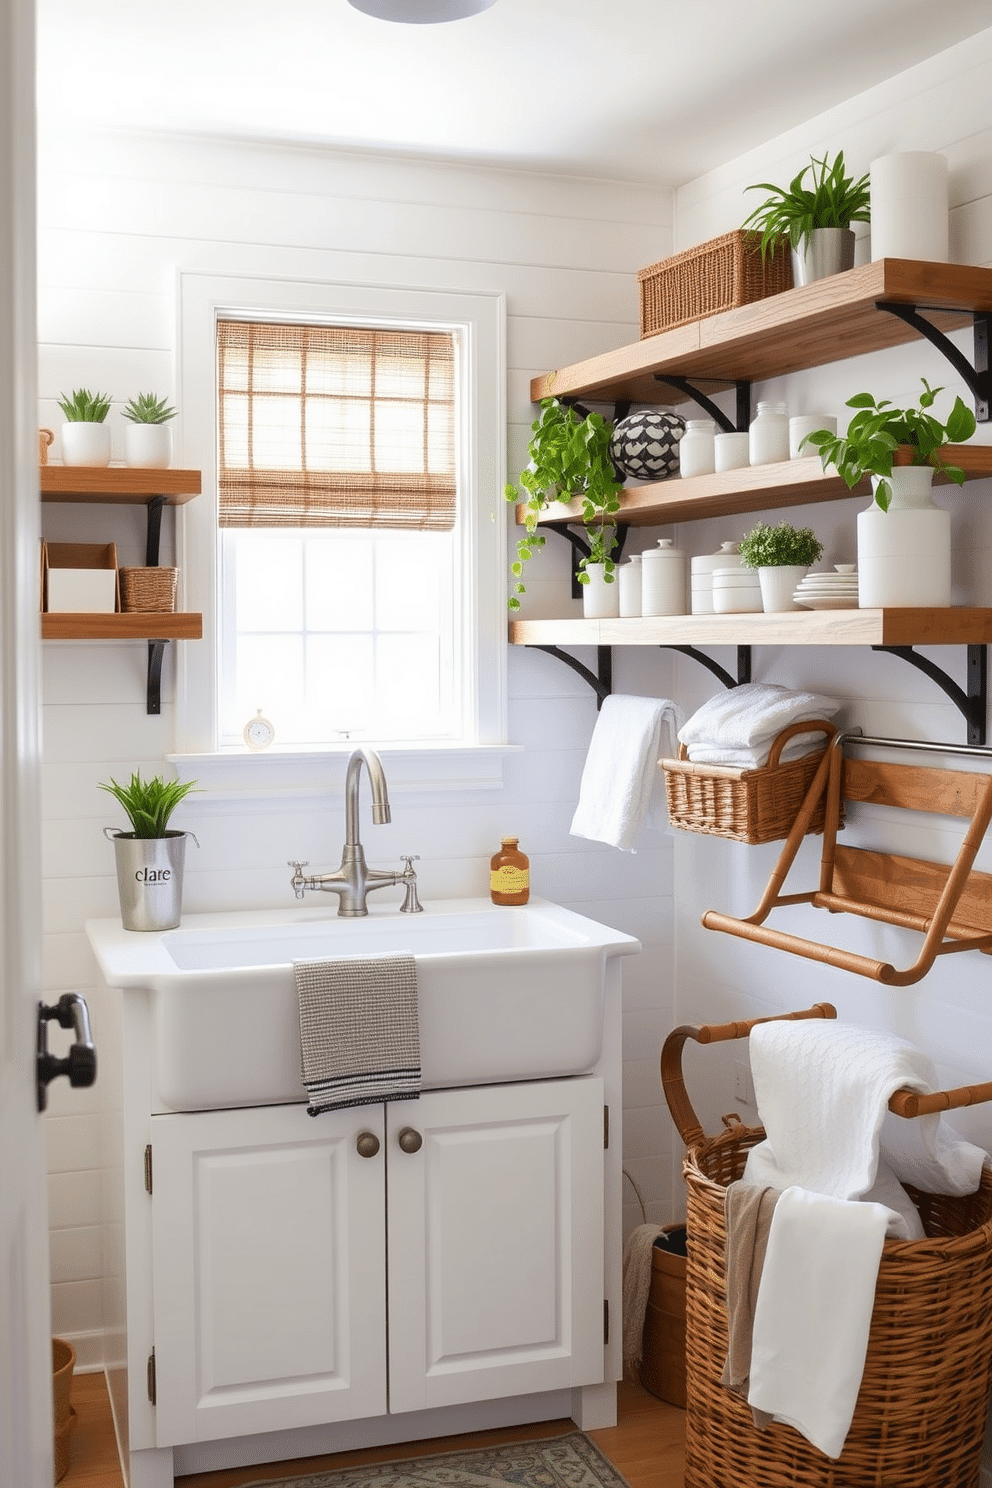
745 805
927 1383
718 275
63 1413
149 589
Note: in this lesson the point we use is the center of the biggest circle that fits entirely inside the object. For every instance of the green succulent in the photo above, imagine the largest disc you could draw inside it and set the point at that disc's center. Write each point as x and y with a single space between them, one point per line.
569 456
84 407
149 803
772 547
877 430
835 200
147 409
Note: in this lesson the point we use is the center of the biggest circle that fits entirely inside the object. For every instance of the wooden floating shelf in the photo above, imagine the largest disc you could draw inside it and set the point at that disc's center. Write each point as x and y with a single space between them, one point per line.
823 322
751 489
120 485
916 627
133 626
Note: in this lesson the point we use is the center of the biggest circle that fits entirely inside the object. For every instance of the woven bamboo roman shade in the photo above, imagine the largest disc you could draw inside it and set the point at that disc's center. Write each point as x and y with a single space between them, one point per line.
335 426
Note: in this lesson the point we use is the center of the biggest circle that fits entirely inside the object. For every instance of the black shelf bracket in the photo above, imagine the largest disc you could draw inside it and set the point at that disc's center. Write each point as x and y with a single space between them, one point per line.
153 693
154 531
721 673
601 681
722 420
978 376
971 703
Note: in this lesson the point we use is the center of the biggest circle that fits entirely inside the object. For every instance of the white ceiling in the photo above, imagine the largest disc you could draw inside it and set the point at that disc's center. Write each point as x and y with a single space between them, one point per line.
646 90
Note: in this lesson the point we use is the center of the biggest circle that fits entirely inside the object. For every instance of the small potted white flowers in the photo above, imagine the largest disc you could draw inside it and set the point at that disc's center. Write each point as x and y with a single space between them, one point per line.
781 554
147 435
85 436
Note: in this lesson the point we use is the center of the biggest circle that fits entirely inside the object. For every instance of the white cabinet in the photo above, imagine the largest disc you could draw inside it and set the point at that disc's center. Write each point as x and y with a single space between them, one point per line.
272 1243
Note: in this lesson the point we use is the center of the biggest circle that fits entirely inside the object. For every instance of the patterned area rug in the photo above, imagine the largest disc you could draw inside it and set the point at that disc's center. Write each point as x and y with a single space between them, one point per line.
571 1461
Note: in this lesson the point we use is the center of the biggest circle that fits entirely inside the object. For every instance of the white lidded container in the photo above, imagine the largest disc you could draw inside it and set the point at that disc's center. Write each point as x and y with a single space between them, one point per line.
736 591
701 575
768 436
663 575
697 448
629 580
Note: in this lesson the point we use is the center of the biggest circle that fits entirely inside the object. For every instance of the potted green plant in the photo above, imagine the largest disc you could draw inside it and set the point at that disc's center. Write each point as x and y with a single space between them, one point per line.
904 539
816 217
569 457
85 436
782 555
147 435
150 858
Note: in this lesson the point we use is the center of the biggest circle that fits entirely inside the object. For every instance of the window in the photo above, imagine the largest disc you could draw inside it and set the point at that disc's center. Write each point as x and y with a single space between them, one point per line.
348 549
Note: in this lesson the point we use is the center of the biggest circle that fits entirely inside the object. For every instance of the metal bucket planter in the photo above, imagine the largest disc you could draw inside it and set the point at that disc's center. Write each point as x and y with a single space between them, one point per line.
150 878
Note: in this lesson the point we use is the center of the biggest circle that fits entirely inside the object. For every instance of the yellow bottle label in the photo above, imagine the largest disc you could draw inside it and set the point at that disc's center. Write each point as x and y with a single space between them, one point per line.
509 880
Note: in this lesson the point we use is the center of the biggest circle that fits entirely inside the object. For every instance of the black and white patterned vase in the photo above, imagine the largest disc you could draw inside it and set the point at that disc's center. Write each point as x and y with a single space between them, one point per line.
645 446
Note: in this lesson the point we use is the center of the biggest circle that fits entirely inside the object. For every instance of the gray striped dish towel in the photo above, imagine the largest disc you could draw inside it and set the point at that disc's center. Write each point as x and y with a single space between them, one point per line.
359 1033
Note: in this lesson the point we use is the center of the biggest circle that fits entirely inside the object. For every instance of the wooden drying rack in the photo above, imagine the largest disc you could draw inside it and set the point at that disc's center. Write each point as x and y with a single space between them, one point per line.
903 1102
951 906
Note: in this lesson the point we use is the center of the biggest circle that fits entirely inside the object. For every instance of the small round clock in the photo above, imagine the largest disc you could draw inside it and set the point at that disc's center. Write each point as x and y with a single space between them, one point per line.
258 732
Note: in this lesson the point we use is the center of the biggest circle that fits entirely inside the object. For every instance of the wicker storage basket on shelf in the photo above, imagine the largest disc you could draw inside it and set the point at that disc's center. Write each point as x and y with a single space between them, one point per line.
149 589
746 805
719 275
920 1416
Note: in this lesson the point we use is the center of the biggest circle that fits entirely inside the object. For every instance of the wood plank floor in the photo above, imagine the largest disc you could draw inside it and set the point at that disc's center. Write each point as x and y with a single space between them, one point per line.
646 1445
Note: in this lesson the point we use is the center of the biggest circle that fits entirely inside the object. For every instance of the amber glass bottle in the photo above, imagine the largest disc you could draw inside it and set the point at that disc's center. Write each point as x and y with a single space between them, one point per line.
509 874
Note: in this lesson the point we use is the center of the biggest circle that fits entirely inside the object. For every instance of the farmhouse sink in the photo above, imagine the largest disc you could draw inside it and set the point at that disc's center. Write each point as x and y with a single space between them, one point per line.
505 993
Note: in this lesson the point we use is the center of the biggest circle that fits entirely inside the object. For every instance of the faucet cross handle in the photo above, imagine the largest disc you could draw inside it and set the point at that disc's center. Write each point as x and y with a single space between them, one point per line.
411 904
298 880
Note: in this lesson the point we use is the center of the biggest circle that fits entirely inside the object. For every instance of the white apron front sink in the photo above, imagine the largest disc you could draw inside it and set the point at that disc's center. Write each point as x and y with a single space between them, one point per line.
504 993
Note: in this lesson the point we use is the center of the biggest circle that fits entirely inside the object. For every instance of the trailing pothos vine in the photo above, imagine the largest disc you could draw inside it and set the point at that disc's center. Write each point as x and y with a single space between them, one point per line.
569 457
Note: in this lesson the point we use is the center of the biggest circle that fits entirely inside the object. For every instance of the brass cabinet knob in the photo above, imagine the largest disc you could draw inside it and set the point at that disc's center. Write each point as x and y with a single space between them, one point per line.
367 1144
410 1140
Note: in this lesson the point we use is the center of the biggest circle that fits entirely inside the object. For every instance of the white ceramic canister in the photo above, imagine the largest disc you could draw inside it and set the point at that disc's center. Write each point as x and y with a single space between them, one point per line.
768 436
801 424
904 554
696 451
731 451
629 579
701 575
909 206
663 579
736 591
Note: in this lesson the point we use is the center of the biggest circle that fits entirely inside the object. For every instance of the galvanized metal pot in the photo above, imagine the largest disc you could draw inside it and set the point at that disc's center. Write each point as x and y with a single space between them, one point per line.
150 878
827 250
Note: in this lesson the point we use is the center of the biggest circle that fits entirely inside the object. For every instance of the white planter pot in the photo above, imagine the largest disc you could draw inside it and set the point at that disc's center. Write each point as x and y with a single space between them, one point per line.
904 554
148 446
778 586
600 600
85 444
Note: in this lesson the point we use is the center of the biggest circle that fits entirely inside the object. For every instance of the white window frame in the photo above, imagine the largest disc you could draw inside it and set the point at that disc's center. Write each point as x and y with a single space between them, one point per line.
478 320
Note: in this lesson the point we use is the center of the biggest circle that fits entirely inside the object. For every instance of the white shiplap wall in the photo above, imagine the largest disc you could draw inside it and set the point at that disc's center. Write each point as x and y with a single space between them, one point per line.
113 235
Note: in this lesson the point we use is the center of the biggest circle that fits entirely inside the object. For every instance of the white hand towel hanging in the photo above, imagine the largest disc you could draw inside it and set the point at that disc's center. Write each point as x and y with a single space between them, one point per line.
622 790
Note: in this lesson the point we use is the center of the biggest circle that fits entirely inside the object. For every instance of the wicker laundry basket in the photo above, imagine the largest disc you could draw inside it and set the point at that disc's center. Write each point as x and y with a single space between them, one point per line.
722 274
746 805
63 1413
924 1399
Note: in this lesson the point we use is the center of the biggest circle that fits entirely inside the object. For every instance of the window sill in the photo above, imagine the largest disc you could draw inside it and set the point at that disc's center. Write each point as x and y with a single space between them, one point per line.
277 778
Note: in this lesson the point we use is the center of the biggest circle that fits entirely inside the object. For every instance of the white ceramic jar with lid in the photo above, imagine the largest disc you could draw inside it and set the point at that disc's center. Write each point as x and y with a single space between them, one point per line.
701 575
663 579
768 436
629 578
696 448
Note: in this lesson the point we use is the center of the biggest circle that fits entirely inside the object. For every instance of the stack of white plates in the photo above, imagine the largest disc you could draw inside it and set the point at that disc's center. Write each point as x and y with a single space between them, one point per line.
829 591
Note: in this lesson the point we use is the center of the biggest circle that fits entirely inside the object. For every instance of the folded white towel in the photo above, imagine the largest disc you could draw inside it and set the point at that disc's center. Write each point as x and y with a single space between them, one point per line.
752 759
622 789
813 1313
822 1091
753 713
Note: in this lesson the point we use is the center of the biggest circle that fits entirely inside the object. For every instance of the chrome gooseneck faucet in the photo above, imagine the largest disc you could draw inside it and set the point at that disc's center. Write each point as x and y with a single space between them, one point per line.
354 880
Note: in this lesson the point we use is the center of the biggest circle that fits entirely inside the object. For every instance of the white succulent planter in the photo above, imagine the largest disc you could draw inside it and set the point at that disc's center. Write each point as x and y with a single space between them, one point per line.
148 446
85 444
600 600
778 584
904 554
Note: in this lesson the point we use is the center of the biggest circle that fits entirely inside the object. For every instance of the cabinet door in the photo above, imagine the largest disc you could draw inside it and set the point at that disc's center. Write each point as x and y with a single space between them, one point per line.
269 1270
495 1247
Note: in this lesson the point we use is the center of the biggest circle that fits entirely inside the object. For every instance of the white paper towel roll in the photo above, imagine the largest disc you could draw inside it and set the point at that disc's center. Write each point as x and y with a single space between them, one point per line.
909 206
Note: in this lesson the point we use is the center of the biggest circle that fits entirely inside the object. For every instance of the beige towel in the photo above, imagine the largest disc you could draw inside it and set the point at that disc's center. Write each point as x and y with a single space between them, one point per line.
748 1210
636 1288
